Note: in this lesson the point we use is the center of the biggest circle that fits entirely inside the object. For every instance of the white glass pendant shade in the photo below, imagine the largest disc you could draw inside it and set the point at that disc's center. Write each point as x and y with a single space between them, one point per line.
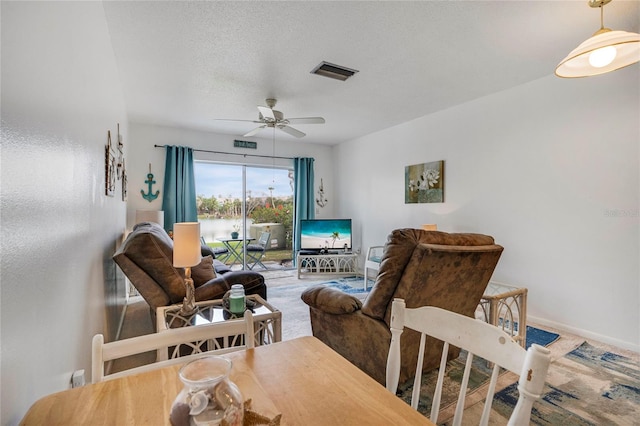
186 244
602 57
604 52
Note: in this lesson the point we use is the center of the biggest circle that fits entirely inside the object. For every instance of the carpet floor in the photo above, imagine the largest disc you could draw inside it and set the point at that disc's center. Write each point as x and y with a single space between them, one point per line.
589 383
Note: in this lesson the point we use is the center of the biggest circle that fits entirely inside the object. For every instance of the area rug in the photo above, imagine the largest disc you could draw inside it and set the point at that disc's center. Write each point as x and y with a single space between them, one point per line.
588 386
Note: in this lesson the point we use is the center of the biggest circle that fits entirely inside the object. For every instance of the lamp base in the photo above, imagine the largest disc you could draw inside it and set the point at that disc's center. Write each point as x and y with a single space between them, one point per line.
189 302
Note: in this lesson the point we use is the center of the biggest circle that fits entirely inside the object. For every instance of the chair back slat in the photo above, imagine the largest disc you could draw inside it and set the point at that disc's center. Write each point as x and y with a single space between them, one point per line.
484 420
176 337
435 407
417 383
457 418
478 339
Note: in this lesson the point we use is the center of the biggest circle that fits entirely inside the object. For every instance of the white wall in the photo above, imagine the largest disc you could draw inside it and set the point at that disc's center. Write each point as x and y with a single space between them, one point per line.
60 95
541 168
142 152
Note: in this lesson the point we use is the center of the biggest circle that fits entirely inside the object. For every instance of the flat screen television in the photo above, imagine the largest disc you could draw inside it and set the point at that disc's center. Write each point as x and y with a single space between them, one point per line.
331 234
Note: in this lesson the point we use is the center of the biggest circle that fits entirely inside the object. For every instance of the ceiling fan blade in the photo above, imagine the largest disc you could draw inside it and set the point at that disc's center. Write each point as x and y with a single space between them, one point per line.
266 112
306 120
254 131
231 119
292 131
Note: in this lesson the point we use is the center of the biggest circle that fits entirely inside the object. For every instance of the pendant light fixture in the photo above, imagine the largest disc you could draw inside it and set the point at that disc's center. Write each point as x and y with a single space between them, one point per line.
605 51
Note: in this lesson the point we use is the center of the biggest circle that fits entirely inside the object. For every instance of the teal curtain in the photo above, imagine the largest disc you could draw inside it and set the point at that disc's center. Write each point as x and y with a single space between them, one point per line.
304 196
179 198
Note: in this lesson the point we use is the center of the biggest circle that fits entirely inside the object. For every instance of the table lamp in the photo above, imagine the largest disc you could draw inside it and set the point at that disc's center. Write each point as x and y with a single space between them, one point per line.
186 253
430 227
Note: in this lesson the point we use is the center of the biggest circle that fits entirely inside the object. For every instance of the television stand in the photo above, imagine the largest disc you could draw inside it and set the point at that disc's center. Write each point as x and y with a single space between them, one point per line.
326 264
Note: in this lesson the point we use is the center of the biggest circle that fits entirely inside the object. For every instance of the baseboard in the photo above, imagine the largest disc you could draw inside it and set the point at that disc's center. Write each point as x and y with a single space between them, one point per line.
585 333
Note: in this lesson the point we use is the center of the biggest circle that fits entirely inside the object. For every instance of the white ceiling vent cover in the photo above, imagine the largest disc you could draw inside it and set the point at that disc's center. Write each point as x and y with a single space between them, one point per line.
336 72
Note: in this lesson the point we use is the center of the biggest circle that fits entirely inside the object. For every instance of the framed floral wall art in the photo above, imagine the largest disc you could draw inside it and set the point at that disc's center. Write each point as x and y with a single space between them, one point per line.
424 183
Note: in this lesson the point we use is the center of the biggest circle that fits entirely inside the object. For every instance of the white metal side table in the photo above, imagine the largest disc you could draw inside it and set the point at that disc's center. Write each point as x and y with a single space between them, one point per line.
267 320
505 306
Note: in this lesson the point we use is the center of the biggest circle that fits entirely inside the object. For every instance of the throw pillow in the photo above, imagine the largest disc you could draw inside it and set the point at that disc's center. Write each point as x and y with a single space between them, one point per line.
203 272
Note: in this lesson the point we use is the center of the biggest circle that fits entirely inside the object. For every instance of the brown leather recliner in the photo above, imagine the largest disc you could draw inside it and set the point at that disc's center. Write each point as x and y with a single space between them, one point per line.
146 258
425 268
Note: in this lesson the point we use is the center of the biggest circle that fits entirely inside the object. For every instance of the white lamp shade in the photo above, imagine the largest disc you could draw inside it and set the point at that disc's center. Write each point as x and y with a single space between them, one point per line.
186 244
156 216
577 64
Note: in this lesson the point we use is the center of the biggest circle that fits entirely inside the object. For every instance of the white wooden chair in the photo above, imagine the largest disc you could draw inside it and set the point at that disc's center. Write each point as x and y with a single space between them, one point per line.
372 261
229 332
477 338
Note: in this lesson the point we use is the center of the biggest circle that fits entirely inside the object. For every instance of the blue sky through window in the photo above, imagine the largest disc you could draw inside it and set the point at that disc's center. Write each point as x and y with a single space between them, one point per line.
226 180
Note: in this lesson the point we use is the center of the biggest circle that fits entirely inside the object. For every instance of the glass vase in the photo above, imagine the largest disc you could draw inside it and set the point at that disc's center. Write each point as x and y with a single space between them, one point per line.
208 397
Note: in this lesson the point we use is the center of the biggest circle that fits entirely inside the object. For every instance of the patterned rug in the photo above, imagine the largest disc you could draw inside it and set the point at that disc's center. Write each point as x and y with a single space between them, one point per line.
588 386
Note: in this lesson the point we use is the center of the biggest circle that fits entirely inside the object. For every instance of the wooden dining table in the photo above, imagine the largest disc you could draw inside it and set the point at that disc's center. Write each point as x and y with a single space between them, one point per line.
303 380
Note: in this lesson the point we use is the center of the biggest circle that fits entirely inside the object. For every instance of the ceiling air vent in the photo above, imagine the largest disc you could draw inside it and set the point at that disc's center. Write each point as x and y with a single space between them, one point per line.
333 71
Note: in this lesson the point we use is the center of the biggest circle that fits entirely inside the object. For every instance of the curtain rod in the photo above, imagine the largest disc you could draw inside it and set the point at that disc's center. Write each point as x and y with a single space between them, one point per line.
234 153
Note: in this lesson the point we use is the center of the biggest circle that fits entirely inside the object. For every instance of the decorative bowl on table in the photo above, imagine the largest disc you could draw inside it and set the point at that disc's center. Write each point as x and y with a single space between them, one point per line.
208 397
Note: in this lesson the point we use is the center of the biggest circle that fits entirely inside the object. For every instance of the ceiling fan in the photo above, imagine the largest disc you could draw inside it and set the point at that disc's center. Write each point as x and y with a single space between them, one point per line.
269 117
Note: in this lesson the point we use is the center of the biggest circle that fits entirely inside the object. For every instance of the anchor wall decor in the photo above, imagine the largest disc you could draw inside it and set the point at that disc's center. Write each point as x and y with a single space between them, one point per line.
150 196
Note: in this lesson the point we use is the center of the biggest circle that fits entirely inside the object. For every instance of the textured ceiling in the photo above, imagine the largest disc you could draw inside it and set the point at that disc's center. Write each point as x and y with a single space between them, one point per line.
187 63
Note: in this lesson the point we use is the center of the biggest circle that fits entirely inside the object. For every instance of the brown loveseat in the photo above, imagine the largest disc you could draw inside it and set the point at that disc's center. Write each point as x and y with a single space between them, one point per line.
146 258
450 271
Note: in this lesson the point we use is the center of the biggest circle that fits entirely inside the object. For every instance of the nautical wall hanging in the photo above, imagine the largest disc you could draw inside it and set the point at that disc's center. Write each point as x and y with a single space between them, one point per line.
121 171
120 164
110 168
124 182
150 196
321 200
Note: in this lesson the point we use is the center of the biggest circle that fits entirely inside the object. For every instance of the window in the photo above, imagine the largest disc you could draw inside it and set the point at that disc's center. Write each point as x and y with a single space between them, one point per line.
268 195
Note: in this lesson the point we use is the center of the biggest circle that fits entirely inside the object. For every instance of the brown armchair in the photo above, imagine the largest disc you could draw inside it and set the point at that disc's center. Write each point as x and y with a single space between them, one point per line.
449 271
146 258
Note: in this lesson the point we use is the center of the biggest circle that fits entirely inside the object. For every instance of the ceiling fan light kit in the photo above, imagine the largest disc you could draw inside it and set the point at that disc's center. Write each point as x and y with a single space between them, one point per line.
605 51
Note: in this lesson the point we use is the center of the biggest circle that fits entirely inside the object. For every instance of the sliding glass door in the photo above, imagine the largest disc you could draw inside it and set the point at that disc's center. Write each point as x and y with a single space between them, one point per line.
237 204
